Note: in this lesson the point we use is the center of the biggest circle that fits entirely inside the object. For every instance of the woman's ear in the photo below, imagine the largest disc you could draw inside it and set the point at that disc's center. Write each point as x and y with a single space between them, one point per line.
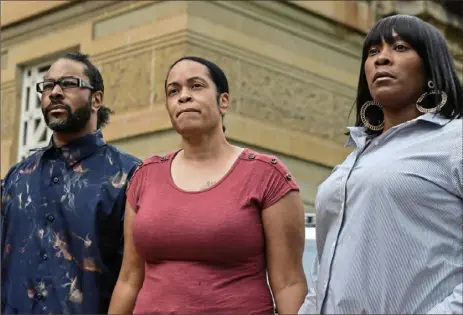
224 101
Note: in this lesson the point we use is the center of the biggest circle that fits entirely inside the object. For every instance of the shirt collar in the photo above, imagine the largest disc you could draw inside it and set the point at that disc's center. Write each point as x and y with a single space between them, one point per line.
78 149
434 118
358 134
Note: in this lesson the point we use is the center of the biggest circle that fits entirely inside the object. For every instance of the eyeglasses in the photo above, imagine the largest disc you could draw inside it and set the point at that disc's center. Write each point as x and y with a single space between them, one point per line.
64 83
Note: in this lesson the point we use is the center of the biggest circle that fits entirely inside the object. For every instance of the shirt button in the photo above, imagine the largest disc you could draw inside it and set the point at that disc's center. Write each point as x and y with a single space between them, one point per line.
50 218
45 257
55 180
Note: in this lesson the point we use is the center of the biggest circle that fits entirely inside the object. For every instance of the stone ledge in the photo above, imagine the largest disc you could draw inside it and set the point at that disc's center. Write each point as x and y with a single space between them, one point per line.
198 38
44 24
358 15
239 128
283 16
8 85
16 11
293 143
161 41
421 8
330 82
274 51
137 123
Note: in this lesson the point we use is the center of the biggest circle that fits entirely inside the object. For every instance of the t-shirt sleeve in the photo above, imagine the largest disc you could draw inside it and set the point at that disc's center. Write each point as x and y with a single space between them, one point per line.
278 182
135 188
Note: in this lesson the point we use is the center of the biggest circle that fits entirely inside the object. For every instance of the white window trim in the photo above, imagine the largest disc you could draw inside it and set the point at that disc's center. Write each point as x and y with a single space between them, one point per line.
32 114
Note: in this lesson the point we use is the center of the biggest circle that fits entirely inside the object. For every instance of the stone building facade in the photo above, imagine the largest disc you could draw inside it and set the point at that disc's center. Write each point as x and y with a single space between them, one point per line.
292 67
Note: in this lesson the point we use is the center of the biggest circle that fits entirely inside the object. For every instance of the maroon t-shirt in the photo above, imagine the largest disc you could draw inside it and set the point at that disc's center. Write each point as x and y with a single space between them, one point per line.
205 251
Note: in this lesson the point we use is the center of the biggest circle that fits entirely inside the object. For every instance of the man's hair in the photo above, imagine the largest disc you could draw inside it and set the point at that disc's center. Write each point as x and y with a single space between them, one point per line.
96 80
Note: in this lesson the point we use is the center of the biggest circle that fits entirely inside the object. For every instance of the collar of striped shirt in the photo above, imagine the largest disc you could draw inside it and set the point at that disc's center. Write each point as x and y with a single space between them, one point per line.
356 133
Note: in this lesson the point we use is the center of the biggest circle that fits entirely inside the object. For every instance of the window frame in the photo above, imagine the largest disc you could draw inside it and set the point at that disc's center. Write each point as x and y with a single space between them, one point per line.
33 131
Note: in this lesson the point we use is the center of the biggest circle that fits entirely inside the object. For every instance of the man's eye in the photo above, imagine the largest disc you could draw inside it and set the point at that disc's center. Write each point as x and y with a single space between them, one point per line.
69 83
48 85
171 92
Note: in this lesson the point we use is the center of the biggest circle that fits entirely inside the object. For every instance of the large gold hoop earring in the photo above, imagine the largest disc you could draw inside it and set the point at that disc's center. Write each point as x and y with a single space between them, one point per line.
432 91
366 122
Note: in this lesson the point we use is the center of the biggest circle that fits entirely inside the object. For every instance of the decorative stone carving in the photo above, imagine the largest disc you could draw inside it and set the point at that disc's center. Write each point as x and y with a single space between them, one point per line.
8 113
129 82
292 103
165 56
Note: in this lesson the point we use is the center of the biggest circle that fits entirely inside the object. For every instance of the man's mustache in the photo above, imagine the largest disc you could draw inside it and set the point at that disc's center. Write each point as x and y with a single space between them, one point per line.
56 104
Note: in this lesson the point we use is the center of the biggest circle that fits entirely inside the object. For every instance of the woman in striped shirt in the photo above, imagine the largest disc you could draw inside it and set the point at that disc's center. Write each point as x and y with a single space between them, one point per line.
389 218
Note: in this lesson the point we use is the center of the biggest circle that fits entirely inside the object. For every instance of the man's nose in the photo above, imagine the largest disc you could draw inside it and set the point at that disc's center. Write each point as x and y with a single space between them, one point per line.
56 92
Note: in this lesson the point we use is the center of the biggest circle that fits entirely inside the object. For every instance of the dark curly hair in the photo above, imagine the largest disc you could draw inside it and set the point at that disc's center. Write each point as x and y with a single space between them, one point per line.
96 80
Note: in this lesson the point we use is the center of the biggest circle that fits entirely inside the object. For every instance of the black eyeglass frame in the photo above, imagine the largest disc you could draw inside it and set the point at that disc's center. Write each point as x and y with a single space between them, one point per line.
80 84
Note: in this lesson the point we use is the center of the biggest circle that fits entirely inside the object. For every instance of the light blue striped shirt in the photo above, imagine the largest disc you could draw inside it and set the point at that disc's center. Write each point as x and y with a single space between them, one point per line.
389 224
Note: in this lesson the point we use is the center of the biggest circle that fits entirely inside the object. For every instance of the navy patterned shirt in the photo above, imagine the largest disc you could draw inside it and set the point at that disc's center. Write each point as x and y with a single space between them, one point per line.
62 228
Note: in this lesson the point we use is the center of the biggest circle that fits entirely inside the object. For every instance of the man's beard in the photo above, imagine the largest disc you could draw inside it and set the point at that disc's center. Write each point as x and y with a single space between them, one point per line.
74 122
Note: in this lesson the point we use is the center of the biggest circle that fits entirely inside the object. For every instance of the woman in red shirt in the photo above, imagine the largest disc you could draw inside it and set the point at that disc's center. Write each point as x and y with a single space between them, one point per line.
204 225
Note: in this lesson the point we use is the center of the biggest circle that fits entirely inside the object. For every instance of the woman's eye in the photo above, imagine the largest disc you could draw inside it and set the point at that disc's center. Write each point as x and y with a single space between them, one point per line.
401 47
372 51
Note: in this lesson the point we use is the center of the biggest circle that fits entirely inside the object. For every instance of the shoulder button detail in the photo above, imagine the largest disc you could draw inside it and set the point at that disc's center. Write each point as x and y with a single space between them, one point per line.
251 156
273 161
163 159
288 177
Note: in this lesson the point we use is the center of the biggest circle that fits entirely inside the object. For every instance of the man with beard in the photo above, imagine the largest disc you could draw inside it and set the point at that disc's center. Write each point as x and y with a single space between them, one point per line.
63 206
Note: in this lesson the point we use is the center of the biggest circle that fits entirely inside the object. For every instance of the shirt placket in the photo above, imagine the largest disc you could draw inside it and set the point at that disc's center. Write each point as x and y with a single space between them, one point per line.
48 221
361 147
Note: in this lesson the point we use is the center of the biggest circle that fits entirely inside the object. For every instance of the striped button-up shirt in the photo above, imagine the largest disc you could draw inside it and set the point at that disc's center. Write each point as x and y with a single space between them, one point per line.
389 224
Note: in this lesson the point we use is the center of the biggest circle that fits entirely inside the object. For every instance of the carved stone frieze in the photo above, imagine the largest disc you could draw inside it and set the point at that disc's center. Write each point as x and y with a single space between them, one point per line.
129 82
8 113
292 103
164 57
